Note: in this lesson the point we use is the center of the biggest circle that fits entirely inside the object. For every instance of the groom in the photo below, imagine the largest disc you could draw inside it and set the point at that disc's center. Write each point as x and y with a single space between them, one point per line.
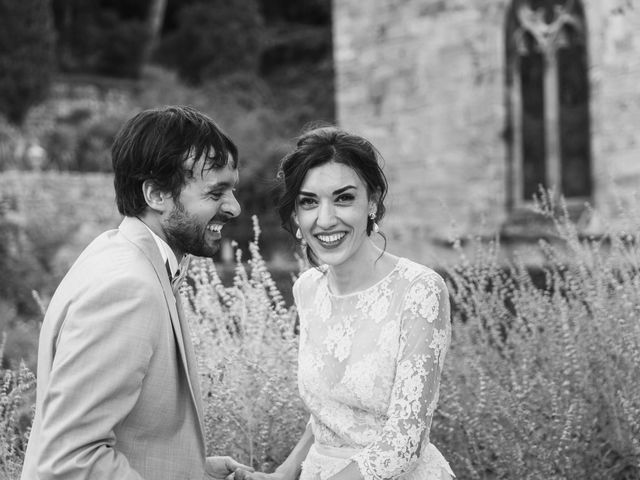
117 391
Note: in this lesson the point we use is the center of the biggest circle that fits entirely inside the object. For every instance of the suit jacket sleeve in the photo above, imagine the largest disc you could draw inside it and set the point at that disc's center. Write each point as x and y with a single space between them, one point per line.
107 338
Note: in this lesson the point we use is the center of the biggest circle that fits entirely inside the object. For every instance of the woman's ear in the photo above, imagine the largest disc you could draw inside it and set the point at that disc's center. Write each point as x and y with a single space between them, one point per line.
373 200
156 199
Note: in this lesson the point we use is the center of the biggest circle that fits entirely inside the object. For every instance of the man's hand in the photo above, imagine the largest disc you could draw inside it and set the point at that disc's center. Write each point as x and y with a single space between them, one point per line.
221 467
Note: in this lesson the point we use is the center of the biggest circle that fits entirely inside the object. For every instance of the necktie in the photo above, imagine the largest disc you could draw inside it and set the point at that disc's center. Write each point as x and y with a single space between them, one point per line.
192 363
174 279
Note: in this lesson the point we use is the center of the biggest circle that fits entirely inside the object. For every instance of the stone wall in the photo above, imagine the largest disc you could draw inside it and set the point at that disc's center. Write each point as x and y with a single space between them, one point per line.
615 80
424 80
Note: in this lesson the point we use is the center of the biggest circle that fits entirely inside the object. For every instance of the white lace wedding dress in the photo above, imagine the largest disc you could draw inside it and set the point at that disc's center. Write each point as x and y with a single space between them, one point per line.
369 373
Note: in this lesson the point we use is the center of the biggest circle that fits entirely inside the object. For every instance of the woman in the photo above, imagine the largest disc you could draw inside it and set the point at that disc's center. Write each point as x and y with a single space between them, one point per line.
374 328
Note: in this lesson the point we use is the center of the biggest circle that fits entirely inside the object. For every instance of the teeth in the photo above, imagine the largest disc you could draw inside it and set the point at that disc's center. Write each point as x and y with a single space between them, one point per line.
331 238
215 227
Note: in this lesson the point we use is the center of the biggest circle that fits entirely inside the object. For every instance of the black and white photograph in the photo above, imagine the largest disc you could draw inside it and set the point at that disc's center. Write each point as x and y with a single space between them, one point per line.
319 240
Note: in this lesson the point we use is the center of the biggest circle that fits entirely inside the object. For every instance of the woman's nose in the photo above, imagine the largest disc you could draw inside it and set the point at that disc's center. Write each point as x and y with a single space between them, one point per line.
326 215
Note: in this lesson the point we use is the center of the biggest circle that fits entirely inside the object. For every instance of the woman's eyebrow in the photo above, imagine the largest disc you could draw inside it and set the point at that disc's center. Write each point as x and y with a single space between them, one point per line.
307 194
335 192
343 189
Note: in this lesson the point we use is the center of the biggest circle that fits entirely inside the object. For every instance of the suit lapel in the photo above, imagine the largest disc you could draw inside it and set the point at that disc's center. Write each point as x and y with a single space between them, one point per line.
138 234
190 358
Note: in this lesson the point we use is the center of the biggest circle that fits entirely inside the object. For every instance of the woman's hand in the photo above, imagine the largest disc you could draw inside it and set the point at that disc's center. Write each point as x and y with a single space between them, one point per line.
247 475
221 467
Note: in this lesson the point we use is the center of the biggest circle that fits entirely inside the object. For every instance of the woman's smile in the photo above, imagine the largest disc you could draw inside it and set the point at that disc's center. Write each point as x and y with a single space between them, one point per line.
330 240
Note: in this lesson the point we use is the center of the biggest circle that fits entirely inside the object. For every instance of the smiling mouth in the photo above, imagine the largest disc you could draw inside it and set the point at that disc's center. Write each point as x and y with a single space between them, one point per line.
330 240
215 227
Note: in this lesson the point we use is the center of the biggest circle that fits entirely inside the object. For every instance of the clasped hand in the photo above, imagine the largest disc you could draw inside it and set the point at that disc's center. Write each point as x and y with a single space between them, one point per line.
242 474
220 468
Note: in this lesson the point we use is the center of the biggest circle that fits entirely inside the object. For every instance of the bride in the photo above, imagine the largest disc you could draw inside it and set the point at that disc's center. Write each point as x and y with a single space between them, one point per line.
374 328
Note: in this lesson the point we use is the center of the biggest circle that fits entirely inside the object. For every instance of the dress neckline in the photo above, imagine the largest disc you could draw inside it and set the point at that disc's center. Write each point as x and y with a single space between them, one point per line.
359 292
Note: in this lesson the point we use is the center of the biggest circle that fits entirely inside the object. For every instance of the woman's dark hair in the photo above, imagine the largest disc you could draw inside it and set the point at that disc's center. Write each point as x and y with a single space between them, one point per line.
322 145
154 144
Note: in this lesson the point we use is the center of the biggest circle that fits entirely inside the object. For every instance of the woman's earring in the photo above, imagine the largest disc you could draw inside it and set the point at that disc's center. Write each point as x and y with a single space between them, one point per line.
375 227
298 234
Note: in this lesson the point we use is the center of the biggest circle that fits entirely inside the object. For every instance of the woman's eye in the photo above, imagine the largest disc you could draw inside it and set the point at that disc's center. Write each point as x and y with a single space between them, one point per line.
306 202
345 197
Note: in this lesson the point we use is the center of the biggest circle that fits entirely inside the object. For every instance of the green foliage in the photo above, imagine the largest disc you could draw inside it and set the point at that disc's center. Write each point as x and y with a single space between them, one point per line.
213 38
26 55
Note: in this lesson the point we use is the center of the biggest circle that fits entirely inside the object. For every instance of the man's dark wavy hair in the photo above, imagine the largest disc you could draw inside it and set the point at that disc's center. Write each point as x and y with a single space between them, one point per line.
154 145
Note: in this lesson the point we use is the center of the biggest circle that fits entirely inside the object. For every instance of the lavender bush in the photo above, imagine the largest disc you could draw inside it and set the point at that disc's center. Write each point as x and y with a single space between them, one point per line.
539 383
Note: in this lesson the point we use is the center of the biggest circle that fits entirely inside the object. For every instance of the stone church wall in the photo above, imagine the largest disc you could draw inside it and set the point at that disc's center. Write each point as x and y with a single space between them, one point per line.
615 106
424 80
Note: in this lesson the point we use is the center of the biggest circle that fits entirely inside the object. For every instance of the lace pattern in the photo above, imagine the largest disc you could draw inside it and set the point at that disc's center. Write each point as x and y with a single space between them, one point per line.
370 364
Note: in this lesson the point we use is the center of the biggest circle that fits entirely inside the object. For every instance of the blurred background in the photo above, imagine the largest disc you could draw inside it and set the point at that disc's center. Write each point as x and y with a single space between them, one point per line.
474 107
72 71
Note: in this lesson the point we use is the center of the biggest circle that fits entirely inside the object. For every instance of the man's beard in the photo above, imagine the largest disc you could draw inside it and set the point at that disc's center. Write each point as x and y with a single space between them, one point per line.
184 233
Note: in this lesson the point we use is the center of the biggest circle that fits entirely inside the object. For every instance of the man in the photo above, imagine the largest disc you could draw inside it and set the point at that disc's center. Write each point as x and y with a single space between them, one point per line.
118 395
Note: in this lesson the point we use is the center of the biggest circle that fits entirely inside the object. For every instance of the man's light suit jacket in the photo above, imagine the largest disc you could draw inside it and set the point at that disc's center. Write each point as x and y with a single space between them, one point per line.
117 387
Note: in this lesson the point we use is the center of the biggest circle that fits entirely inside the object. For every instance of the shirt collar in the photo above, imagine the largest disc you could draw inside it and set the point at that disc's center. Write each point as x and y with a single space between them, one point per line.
165 250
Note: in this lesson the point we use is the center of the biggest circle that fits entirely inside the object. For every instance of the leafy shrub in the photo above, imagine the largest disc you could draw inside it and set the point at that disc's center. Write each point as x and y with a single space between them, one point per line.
10 137
246 341
120 45
79 131
542 383
213 38
21 270
311 12
26 55
93 152
94 38
15 416
539 382
46 219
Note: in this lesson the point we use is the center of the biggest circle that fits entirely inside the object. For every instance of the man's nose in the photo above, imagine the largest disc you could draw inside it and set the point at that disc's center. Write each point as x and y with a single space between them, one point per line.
232 207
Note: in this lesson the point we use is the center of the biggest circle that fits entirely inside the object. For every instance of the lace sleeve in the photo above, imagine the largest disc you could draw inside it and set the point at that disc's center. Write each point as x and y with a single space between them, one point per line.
424 340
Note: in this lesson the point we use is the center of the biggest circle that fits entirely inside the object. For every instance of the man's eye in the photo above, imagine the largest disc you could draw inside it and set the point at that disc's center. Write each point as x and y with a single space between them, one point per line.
215 195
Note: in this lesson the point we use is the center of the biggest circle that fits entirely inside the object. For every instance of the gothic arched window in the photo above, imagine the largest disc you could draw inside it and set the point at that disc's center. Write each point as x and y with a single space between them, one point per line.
548 99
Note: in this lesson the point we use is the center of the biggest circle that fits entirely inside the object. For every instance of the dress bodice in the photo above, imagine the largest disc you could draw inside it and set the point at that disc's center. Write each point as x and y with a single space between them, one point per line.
370 363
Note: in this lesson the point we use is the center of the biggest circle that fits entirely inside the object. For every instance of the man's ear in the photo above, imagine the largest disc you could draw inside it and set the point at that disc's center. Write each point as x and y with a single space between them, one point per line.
156 199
